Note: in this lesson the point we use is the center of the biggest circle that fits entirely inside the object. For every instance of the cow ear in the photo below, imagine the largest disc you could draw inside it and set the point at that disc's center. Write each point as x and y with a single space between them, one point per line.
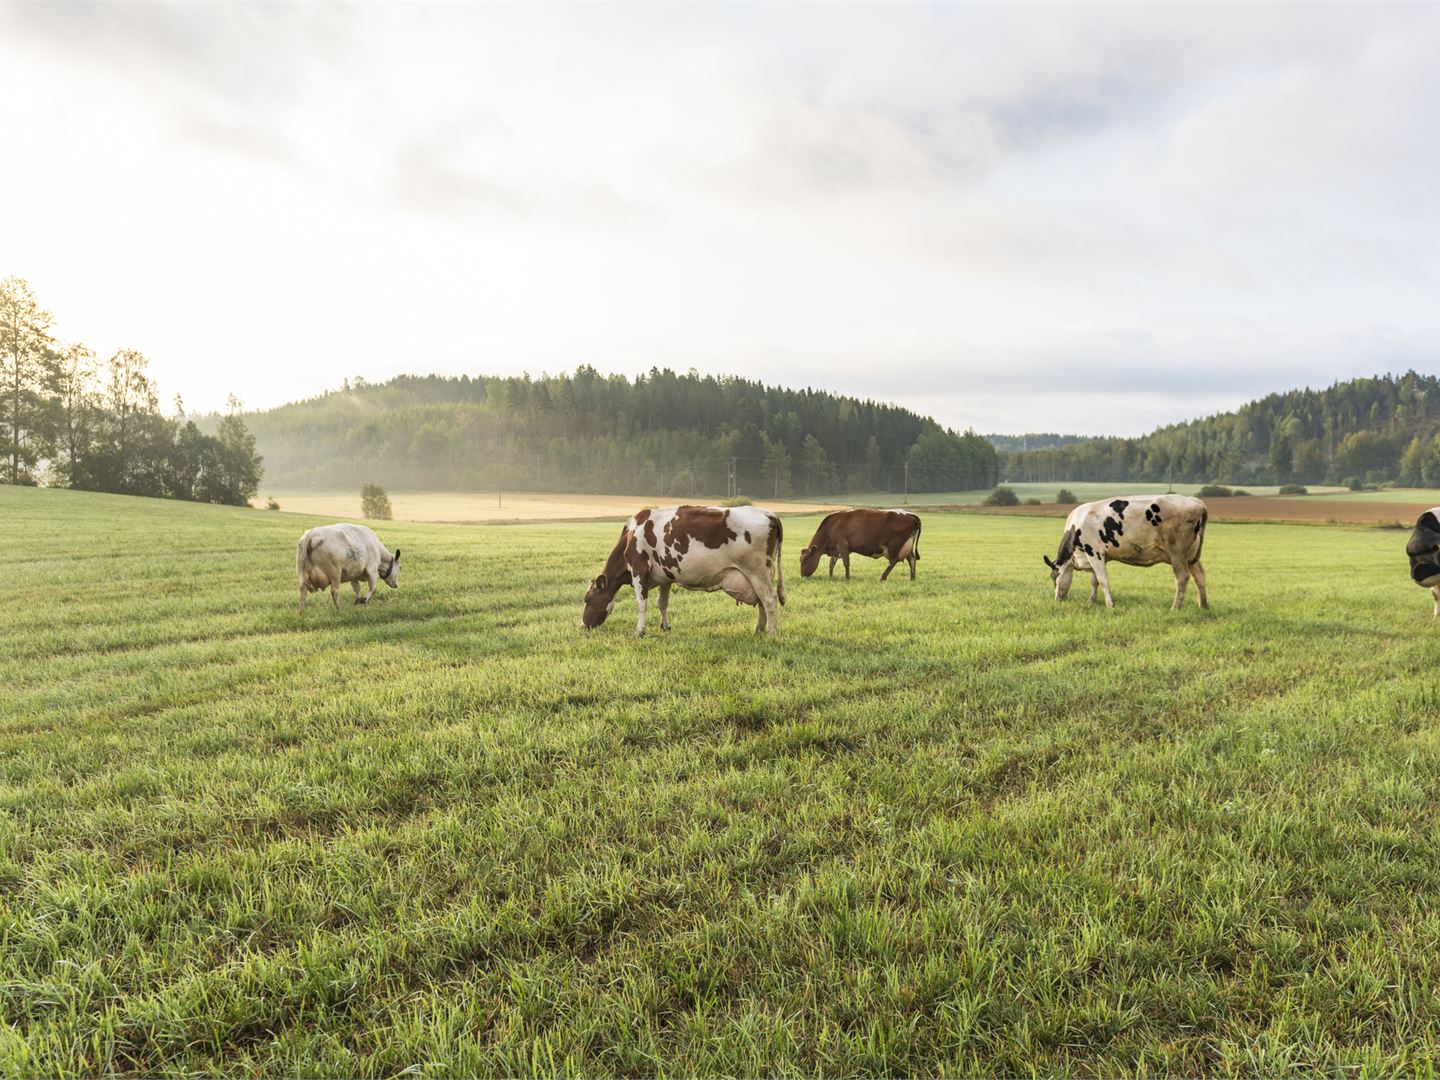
600 582
397 557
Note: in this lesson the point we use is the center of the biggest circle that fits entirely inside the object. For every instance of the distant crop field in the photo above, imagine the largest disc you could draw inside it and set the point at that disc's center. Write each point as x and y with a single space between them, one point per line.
506 506
936 827
1046 492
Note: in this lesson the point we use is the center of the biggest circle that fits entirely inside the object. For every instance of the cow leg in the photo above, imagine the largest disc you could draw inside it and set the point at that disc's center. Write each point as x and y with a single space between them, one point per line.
1182 579
1435 592
1198 573
911 559
832 565
765 601
374 577
845 558
665 606
1102 577
356 586
893 560
335 593
641 596
1094 587
304 595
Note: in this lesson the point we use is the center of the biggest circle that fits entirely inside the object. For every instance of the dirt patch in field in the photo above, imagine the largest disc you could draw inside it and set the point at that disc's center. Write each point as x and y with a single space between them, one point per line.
1304 509
510 506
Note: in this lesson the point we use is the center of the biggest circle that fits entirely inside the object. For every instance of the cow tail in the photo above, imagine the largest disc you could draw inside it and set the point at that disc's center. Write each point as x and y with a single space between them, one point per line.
779 562
1200 535
300 554
915 541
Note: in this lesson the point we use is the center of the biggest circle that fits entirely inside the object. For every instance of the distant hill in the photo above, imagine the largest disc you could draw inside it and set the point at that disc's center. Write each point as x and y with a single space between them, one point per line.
1362 431
660 433
1034 440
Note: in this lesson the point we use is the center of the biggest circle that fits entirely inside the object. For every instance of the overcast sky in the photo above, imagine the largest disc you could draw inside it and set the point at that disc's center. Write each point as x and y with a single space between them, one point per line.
1017 217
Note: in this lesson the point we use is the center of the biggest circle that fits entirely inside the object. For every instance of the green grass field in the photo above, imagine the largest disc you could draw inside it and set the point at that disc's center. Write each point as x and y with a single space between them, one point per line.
936 827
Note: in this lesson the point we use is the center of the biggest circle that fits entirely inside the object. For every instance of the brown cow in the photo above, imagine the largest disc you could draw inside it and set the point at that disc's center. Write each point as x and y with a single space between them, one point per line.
893 535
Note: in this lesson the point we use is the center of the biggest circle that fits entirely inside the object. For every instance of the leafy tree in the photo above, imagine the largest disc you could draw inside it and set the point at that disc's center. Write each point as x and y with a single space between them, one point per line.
374 503
26 367
77 394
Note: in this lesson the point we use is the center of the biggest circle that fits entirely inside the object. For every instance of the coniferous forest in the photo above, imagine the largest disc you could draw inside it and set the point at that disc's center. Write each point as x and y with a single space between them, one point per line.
1361 432
659 433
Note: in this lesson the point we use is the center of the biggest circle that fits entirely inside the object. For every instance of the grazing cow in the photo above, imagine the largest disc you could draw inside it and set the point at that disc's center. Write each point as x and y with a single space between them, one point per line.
893 535
330 555
1140 531
1424 552
708 548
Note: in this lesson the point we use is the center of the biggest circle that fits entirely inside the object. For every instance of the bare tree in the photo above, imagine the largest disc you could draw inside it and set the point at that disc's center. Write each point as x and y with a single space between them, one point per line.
24 366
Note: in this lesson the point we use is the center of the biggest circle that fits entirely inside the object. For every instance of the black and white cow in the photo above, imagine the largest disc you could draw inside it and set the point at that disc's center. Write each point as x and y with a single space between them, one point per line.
708 548
1141 530
1424 552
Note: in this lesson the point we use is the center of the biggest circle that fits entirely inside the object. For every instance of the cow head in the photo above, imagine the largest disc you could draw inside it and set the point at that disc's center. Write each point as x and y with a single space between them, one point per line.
1424 551
810 560
391 574
1062 567
599 599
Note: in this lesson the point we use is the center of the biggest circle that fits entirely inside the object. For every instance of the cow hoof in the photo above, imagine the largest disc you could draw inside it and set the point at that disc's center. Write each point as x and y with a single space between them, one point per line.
359 599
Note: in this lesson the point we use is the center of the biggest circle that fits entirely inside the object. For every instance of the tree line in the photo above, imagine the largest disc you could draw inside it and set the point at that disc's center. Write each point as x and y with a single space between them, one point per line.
1361 432
69 420
660 433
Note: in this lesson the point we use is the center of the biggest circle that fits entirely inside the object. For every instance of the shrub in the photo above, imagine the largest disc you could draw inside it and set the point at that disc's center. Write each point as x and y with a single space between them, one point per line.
1215 491
271 504
1294 489
374 503
1002 496
1065 495
738 500
1033 502
1354 483
1238 492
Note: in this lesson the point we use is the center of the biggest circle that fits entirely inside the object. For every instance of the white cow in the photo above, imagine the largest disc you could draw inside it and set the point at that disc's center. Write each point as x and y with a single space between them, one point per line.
330 555
1424 552
1140 530
709 548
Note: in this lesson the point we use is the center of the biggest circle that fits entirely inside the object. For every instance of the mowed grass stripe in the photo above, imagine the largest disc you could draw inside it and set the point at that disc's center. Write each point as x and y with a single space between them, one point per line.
945 825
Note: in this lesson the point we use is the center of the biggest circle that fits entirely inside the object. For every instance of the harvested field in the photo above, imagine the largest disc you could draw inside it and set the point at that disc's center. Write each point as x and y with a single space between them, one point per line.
457 506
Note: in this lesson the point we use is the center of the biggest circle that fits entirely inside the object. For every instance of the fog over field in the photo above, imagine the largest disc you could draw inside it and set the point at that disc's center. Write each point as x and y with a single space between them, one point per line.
1058 217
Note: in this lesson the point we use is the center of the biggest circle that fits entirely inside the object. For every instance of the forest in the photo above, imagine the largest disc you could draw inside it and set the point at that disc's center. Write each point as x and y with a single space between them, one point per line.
659 433
67 420
1360 433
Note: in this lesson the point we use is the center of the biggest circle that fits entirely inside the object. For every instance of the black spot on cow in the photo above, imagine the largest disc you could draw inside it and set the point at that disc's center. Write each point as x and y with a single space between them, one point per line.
1087 549
1155 509
1119 506
1113 530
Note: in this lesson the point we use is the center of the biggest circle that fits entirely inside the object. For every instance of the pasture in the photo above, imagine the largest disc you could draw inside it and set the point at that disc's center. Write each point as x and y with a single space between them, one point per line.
940 827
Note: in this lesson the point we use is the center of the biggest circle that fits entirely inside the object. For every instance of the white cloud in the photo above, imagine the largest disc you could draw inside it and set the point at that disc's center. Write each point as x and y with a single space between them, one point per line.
1093 218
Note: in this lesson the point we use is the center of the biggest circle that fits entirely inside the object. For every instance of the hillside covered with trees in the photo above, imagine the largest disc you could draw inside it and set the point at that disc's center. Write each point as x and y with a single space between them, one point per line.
69 421
1384 429
659 433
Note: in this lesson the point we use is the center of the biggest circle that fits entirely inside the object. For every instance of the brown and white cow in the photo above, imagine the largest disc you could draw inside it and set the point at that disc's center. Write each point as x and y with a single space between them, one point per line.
893 535
1141 530
1424 552
706 548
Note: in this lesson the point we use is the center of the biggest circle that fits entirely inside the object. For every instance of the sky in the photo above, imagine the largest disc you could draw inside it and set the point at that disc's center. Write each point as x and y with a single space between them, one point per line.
1017 217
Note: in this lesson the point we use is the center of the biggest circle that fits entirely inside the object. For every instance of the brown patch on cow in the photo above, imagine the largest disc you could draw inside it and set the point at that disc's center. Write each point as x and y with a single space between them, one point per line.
642 517
707 524
649 530
747 536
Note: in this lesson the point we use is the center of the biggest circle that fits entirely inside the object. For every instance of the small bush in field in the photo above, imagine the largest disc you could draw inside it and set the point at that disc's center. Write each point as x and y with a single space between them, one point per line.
1065 495
271 504
374 503
1294 489
738 500
1002 496
1215 491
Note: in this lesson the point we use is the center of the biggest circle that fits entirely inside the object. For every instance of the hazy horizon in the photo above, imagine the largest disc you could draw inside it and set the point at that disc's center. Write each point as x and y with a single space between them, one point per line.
1080 219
